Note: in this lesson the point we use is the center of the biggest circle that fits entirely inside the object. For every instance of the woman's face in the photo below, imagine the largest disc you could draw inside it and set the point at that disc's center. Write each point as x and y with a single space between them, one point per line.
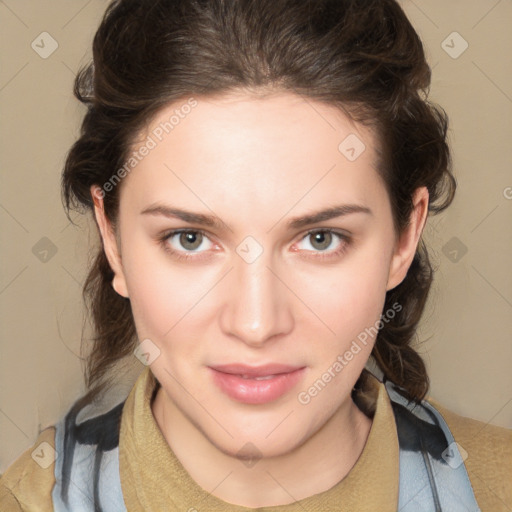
252 287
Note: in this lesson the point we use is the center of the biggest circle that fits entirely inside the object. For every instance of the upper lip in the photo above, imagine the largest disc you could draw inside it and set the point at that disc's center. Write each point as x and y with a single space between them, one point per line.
256 371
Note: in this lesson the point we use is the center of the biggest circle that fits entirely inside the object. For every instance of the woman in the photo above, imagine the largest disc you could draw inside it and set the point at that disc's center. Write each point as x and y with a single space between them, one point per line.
260 173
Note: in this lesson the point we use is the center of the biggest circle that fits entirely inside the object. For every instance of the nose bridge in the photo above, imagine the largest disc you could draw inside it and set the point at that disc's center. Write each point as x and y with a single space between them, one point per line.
256 308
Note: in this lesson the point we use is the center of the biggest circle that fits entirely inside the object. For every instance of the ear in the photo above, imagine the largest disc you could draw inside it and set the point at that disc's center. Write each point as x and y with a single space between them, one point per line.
109 241
407 243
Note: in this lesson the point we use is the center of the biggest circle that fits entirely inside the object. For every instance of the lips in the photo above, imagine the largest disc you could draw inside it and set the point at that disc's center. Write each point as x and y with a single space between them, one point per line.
256 384
253 372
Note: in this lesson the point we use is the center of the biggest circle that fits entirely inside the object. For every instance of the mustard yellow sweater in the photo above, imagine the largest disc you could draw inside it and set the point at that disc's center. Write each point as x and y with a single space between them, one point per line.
152 478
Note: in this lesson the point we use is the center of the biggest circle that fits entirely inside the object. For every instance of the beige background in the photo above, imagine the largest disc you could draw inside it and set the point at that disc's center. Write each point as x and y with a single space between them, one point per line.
466 330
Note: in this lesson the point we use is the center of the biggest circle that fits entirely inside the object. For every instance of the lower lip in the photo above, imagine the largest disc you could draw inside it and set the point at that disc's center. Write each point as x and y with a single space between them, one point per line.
251 391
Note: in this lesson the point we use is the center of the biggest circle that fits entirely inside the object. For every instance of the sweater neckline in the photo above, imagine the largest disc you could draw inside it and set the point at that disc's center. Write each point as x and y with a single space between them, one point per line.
153 478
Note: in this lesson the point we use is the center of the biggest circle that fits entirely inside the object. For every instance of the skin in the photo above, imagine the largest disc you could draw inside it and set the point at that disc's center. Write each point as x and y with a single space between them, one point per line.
256 163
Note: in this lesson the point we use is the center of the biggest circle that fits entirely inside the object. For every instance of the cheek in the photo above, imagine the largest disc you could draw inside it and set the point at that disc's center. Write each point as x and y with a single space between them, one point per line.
350 298
347 297
160 294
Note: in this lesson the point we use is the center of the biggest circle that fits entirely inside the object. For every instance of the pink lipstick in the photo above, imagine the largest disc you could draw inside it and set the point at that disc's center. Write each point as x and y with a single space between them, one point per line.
256 384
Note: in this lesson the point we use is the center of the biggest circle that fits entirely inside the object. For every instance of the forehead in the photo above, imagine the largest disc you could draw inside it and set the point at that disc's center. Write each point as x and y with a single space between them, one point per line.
246 149
245 114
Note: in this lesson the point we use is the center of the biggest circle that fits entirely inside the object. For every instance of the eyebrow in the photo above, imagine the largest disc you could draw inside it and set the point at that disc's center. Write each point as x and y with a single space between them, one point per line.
294 223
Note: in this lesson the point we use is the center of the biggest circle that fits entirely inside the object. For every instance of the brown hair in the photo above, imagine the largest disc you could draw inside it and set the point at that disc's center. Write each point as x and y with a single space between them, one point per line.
362 56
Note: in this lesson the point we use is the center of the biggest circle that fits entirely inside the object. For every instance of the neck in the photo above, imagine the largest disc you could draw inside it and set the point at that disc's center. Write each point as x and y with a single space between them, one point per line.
314 466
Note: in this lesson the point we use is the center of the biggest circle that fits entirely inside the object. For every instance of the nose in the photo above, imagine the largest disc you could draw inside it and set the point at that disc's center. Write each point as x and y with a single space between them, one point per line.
257 305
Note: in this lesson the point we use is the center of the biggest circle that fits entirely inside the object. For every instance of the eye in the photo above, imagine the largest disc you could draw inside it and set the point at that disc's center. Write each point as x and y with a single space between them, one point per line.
182 241
322 239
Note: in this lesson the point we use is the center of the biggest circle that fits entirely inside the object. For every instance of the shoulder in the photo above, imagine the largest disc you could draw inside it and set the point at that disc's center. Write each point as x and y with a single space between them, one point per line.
27 483
488 460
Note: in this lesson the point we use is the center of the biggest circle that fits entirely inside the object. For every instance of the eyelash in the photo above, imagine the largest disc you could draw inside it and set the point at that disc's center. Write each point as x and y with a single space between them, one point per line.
346 241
